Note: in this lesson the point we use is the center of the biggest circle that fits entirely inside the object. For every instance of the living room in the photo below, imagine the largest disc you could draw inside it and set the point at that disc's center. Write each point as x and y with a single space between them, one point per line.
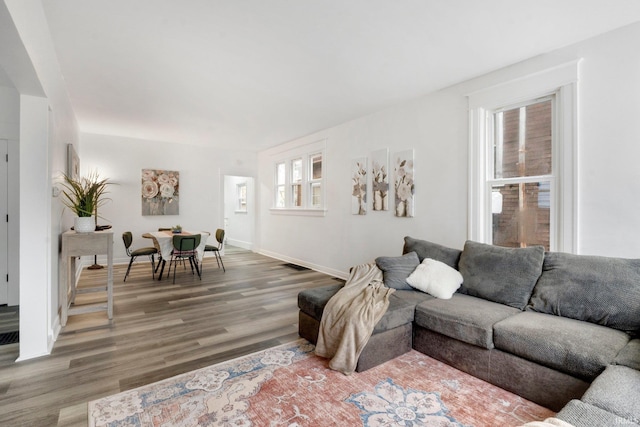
434 124
608 72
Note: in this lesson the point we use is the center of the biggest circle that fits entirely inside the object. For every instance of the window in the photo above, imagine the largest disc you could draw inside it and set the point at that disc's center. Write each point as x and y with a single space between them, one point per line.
241 192
315 180
522 155
296 182
299 180
280 185
522 174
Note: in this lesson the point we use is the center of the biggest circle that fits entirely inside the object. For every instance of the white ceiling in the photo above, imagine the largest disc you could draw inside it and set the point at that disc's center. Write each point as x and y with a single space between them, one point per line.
254 73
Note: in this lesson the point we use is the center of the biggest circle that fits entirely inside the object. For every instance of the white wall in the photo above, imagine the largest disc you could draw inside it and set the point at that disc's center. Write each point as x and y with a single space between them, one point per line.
201 177
35 206
436 126
239 229
50 111
339 240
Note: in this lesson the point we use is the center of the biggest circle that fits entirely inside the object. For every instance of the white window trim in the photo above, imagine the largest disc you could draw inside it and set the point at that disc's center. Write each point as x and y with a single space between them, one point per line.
304 151
299 211
563 82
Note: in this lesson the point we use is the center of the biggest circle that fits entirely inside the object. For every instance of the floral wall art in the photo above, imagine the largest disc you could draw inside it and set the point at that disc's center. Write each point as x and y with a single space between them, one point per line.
160 192
403 183
359 186
380 179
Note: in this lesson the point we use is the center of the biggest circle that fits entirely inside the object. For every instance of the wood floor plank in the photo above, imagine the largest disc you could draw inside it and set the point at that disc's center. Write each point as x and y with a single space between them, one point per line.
159 330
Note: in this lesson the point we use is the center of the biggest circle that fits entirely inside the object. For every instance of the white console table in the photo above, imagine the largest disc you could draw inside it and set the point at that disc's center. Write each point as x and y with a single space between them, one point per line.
79 244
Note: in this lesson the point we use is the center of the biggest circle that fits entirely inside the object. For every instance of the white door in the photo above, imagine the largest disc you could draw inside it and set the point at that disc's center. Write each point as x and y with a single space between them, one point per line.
4 226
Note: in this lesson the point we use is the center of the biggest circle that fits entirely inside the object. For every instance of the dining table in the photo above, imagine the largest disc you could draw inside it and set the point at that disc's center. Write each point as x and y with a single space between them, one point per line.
163 242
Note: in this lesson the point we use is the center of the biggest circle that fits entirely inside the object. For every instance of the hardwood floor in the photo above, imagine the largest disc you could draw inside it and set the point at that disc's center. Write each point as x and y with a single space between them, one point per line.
159 330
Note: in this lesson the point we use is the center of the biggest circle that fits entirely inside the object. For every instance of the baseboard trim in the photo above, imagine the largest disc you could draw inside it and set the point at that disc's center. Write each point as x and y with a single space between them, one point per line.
240 244
316 267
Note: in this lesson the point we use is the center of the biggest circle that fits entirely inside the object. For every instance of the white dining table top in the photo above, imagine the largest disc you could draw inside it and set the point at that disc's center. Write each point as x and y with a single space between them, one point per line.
164 240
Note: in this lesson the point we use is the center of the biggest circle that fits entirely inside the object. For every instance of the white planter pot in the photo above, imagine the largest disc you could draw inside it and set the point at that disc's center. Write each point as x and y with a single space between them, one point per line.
85 224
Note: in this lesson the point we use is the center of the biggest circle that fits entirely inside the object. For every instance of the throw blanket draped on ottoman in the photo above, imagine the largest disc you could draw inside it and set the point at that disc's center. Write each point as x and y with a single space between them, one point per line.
350 316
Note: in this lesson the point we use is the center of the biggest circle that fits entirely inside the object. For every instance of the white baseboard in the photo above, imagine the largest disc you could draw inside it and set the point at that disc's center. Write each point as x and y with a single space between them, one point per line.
239 243
319 268
54 332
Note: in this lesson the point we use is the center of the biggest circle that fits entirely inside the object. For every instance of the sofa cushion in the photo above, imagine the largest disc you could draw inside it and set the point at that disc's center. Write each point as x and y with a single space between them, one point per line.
400 311
616 390
411 296
463 317
630 355
312 301
426 249
499 274
435 278
580 414
578 348
595 289
396 269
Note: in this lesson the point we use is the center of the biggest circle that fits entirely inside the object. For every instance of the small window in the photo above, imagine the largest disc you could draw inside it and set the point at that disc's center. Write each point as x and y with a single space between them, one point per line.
315 180
299 181
241 191
296 182
280 185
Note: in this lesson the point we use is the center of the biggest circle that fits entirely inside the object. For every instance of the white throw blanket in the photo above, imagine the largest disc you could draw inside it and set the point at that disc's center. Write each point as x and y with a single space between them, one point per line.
350 316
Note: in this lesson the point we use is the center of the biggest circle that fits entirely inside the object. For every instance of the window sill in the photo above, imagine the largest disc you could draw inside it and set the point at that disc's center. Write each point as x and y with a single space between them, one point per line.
298 211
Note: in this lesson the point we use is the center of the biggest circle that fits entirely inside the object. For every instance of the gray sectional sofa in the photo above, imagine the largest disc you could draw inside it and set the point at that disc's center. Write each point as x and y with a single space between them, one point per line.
558 329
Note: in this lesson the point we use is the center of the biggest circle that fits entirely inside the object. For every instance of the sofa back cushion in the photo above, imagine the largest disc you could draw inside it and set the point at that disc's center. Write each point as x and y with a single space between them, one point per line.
396 269
600 290
426 249
499 274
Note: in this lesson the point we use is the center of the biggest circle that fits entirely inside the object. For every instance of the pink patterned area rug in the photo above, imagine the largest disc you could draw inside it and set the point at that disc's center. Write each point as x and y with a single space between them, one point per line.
289 386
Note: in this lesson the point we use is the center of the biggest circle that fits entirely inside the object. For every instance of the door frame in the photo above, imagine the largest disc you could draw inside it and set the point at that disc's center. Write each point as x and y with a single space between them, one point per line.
4 224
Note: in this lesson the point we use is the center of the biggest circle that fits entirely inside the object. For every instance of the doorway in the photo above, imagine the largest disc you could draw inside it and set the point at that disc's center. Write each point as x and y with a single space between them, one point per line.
239 211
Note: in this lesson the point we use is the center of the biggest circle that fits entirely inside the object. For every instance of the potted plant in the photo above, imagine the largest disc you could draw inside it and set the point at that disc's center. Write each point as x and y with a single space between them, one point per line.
83 196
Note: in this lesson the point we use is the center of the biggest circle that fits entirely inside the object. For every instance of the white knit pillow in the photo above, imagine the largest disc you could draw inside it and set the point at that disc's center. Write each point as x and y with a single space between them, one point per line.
435 278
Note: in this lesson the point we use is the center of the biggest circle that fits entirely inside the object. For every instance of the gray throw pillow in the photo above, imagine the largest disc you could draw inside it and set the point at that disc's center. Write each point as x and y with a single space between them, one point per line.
499 274
395 270
426 249
595 289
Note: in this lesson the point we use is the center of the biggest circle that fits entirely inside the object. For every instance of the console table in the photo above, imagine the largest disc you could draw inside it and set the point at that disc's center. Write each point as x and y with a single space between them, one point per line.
79 244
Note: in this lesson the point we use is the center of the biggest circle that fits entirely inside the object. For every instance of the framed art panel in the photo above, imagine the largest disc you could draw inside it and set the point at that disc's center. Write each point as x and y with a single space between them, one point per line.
160 192
403 183
380 179
73 163
359 186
